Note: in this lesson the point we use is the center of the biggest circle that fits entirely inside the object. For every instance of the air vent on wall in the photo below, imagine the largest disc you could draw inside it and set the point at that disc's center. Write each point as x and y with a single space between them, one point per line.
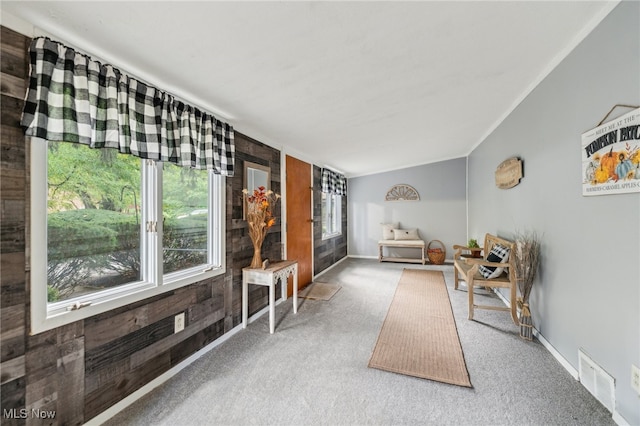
596 380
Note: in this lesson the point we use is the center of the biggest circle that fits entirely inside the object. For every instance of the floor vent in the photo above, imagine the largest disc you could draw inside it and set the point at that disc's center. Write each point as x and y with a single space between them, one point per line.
596 380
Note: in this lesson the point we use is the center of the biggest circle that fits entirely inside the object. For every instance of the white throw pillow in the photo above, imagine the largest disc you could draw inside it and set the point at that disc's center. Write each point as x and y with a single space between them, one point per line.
405 234
387 230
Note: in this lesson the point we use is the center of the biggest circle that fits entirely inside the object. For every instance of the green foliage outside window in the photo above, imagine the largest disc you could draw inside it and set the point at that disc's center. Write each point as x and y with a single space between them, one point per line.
94 219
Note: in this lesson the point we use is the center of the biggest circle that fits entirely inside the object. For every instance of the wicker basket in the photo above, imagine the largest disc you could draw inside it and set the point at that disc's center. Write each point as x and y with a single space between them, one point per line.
436 255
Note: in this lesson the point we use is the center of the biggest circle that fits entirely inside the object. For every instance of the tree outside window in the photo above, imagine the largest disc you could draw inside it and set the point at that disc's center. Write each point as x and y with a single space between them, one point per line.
101 207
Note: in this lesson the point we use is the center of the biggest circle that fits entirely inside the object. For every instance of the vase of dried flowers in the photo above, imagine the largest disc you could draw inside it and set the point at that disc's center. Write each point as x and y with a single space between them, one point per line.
527 260
260 218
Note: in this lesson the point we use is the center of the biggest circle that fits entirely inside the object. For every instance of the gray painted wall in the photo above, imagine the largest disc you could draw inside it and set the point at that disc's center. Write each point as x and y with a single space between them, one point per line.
587 294
439 215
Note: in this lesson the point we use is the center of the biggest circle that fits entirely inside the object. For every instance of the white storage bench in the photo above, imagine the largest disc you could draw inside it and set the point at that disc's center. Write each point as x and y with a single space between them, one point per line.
417 244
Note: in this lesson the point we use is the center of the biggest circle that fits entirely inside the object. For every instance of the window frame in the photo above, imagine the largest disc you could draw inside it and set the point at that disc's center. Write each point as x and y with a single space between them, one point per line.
333 211
46 316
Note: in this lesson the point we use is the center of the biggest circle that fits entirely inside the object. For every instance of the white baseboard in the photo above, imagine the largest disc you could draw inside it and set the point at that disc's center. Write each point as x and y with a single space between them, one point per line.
130 399
619 419
358 256
563 361
331 267
557 355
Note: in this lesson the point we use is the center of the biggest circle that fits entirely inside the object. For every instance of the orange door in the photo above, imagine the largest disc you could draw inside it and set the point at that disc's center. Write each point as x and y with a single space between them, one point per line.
299 219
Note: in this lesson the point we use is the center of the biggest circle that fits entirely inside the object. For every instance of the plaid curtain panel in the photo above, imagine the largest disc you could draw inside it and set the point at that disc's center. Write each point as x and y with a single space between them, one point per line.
333 183
73 98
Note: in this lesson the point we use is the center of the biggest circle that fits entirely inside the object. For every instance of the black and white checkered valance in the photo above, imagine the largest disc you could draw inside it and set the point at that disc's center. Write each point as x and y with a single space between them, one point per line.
333 183
73 98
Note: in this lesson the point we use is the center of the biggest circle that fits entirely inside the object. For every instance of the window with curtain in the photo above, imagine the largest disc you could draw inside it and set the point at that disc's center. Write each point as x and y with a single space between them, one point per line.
334 186
333 183
127 188
331 215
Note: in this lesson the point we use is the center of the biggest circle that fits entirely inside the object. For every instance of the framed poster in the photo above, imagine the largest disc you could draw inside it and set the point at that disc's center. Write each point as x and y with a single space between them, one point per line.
611 157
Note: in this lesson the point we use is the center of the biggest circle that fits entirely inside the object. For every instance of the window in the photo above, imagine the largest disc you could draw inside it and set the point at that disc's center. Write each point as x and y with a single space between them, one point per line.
331 215
109 229
185 215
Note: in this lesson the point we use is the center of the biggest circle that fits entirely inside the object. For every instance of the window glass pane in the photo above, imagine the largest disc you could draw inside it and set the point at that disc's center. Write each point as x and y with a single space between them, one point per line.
334 214
331 215
325 224
93 220
185 209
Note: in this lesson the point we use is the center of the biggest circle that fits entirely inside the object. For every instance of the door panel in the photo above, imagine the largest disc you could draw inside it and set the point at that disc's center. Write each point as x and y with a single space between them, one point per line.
299 219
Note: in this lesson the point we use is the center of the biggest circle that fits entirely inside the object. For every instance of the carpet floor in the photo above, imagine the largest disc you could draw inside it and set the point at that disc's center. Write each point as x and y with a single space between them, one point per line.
419 337
313 369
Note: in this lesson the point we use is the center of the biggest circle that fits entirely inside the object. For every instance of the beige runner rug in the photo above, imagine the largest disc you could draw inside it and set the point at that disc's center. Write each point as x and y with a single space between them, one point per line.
419 336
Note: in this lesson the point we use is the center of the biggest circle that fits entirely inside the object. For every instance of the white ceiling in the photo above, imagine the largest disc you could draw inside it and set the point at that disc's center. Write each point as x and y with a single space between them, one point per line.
361 87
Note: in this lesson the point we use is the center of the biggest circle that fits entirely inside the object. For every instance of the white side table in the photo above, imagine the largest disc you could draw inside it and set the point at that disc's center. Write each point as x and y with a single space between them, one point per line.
269 277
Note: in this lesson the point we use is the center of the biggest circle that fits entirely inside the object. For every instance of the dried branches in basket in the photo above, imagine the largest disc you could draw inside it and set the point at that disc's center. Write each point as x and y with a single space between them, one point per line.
527 260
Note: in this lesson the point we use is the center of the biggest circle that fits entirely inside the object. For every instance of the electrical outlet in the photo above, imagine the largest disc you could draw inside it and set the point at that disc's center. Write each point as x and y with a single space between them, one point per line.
179 323
635 378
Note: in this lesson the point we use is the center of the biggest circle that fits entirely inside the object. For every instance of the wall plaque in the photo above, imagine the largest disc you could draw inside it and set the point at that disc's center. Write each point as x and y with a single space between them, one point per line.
402 192
611 157
509 173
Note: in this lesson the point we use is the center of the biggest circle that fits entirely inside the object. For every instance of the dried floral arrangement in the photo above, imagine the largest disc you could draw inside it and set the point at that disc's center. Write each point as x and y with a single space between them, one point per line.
259 218
527 261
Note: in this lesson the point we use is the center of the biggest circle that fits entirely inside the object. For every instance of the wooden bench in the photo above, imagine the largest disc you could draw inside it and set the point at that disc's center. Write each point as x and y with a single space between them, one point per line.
402 244
466 269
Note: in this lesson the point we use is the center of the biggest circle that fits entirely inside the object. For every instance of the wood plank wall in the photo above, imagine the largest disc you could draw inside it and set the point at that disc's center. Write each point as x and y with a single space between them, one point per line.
238 240
326 252
12 224
81 369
